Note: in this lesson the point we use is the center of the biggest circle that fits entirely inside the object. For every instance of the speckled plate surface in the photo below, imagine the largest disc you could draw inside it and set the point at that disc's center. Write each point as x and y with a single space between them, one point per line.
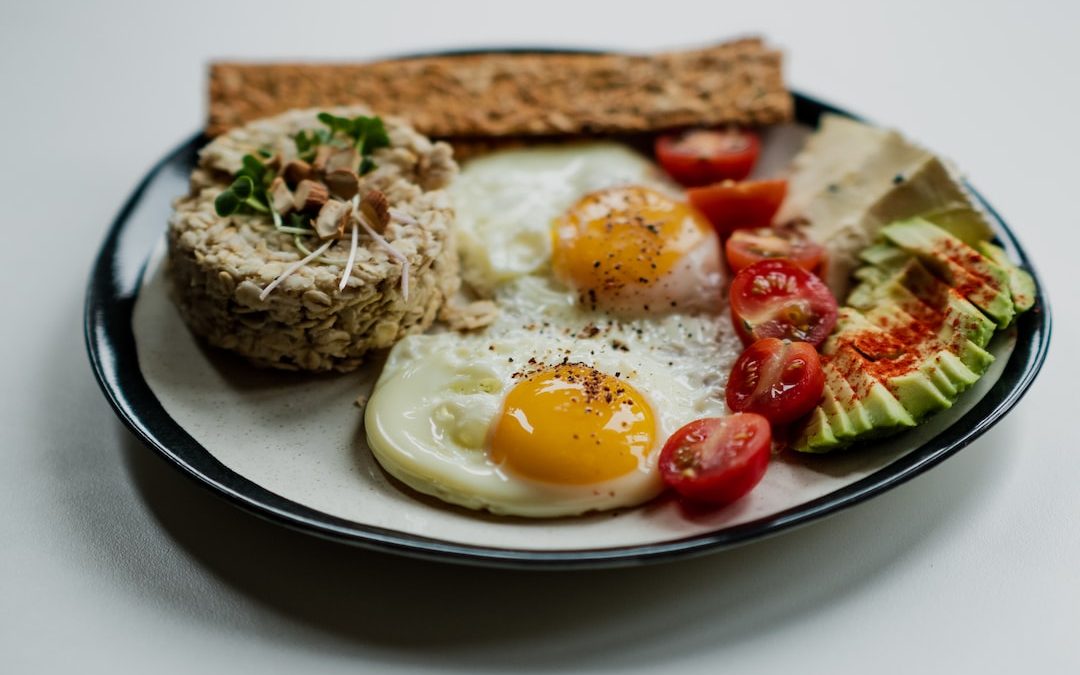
291 448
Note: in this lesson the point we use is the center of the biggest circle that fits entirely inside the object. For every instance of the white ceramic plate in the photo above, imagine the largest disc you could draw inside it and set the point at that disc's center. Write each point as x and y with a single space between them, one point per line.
291 447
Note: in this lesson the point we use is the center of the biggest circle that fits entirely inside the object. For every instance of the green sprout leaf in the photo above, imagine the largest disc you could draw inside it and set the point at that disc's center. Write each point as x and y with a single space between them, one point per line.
243 187
226 203
334 122
366 165
370 134
303 143
255 169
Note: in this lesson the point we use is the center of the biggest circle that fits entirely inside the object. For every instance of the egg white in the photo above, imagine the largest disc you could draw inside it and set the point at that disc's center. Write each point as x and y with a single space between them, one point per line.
431 412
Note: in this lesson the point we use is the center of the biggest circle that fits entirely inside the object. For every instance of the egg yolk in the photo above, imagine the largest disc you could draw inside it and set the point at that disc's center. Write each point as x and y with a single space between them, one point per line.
617 241
571 424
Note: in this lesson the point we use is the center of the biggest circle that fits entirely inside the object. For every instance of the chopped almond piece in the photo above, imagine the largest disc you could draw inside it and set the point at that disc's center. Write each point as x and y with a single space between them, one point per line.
310 196
344 158
376 209
295 171
343 183
281 197
332 219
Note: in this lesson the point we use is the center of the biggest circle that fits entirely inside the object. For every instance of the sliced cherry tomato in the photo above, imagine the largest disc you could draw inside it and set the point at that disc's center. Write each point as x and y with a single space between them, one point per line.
704 156
746 247
717 459
731 206
776 298
777 379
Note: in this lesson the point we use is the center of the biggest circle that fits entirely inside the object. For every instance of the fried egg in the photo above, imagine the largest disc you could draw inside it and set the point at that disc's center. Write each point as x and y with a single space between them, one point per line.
505 203
538 423
607 285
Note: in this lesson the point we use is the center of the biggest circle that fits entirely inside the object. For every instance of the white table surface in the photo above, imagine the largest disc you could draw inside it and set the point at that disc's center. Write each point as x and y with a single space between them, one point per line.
112 562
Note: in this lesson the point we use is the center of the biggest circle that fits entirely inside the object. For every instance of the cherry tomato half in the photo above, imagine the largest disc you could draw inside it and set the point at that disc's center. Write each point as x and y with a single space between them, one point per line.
776 298
704 156
777 379
731 206
746 247
717 459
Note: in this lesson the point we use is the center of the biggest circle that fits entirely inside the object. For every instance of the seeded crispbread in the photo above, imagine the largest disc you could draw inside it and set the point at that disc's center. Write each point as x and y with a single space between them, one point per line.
517 95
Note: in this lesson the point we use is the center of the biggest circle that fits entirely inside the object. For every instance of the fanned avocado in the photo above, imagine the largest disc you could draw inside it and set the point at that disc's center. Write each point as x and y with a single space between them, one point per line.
971 273
913 334
1021 285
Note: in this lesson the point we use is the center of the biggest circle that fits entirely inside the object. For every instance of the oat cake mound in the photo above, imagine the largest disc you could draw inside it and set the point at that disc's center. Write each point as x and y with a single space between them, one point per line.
336 238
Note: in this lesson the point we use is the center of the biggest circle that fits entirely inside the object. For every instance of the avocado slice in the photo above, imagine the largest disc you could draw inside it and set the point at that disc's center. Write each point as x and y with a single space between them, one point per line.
884 255
975 358
874 276
1021 284
857 418
837 417
817 435
918 391
959 373
971 273
862 296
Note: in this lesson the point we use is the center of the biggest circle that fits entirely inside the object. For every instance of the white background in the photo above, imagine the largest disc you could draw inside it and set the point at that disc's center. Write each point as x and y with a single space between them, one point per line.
112 562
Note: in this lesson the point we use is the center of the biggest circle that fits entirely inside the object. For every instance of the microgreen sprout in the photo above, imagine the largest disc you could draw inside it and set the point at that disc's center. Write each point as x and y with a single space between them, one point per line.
247 189
260 174
241 193
249 193
295 224
366 134
308 141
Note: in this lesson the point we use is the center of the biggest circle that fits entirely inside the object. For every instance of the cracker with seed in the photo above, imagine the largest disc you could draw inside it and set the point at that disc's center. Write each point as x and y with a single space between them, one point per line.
522 95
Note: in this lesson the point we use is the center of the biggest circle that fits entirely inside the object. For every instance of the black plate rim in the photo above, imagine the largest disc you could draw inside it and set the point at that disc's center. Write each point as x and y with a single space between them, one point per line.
111 348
